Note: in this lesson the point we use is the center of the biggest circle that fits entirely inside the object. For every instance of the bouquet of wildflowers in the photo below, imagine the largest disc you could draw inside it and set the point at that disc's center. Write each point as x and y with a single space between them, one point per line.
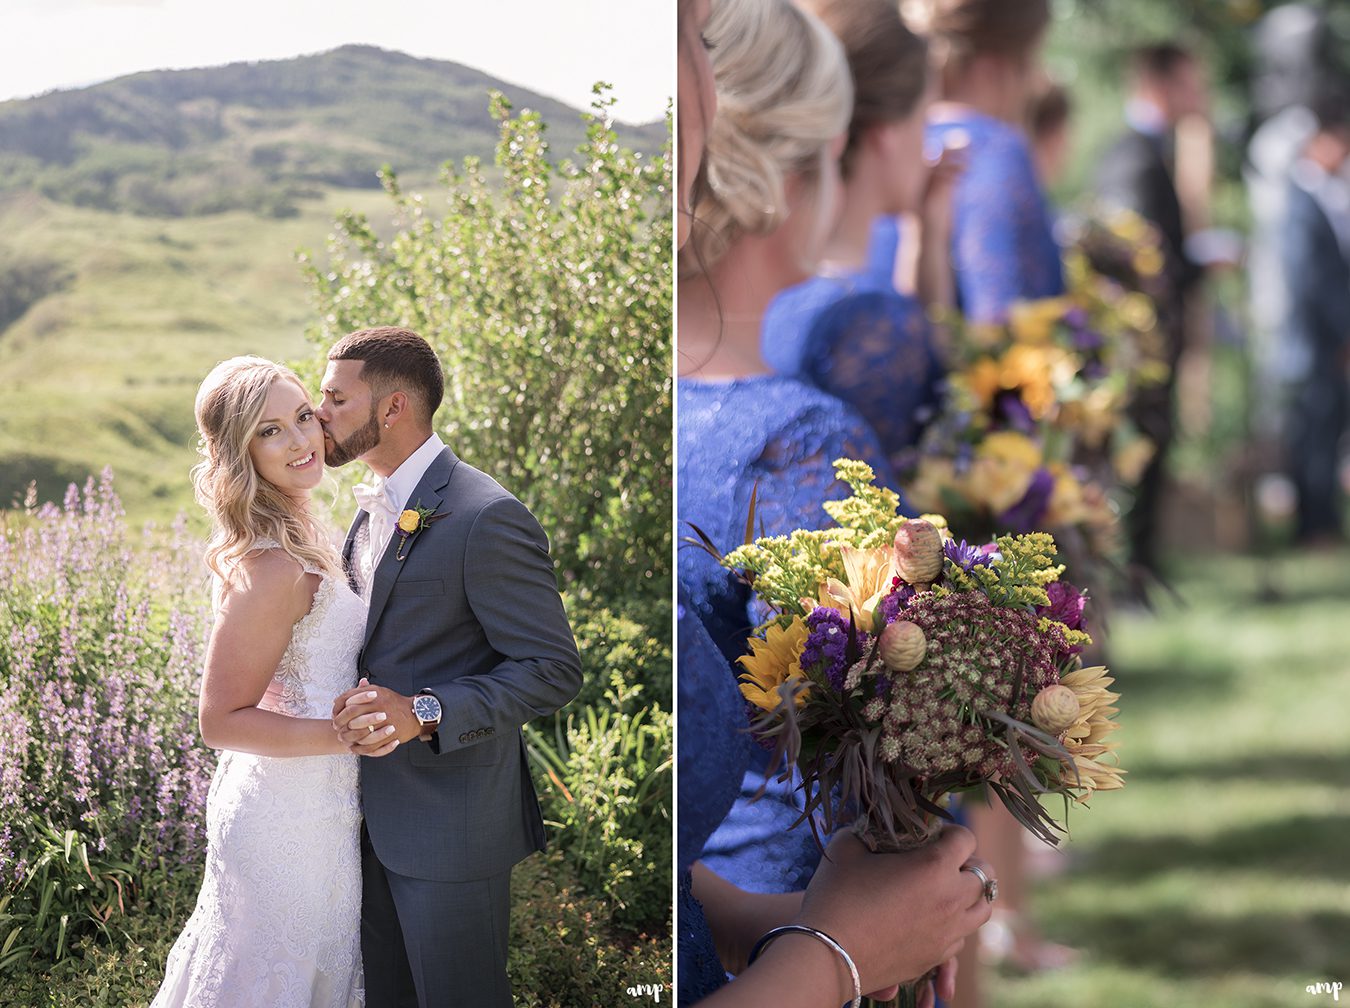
1034 431
902 665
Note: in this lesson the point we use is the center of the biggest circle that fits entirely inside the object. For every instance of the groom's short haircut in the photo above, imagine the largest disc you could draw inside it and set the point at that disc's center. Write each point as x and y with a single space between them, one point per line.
395 358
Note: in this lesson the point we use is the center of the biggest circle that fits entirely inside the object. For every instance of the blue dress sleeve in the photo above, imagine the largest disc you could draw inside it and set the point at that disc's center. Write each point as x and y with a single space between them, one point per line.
1003 249
874 350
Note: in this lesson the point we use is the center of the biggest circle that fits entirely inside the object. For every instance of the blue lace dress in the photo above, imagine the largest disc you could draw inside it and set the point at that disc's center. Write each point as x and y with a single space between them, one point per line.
782 436
714 752
1003 248
854 336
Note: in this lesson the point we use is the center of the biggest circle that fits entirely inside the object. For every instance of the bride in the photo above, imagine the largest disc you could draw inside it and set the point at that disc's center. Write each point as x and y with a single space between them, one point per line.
277 922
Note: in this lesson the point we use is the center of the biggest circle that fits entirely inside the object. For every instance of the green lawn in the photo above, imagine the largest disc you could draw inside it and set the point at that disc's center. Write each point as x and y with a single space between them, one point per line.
1219 878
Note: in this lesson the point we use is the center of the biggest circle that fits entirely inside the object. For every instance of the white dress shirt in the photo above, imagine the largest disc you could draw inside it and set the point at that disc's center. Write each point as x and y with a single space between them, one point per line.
398 488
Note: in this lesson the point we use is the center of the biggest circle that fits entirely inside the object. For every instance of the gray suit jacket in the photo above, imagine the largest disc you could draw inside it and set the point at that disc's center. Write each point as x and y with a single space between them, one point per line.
471 613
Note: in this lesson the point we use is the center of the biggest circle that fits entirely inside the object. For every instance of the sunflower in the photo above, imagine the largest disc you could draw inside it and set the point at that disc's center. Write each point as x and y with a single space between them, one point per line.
773 661
1085 739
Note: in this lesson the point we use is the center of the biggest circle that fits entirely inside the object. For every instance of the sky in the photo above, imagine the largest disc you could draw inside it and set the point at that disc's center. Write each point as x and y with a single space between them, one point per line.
556 47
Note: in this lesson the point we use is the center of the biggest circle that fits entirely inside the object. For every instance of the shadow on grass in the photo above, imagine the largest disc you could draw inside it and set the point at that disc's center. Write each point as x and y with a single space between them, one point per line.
1194 944
1144 685
1332 769
1306 846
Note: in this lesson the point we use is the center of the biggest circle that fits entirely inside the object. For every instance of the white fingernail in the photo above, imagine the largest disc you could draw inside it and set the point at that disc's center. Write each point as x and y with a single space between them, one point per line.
381 716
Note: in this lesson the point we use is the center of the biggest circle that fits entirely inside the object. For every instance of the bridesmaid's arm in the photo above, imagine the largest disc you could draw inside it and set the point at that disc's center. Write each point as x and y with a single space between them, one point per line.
737 918
253 628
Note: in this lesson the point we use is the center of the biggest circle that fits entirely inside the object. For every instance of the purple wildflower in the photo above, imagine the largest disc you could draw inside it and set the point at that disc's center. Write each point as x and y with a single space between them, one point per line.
827 645
1026 514
896 603
1011 413
968 557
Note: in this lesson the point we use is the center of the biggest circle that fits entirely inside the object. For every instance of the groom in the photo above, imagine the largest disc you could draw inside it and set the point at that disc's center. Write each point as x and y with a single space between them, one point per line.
465 641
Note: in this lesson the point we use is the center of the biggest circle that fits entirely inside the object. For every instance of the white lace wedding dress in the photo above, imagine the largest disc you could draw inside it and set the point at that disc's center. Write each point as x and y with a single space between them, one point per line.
278 920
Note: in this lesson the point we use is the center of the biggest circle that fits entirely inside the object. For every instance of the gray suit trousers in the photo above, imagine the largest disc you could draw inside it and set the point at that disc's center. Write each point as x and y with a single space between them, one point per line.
456 935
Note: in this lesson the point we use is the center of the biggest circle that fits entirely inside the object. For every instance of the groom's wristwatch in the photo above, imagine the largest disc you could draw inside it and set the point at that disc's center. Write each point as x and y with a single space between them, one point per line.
427 710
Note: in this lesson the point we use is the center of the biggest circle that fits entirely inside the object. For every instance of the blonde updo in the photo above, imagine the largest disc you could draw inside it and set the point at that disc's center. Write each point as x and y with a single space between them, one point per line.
244 507
783 95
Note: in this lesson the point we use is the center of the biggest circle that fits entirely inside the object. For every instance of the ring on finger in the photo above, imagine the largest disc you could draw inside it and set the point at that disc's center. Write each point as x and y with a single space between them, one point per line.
990 884
370 729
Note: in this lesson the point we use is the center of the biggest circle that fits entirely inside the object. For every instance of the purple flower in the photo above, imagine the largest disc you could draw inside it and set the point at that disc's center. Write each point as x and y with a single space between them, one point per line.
968 557
1066 604
827 645
1012 413
895 603
1027 513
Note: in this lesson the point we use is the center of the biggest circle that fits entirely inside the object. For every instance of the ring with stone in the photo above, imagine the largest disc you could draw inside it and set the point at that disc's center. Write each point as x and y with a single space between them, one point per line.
370 729
990 885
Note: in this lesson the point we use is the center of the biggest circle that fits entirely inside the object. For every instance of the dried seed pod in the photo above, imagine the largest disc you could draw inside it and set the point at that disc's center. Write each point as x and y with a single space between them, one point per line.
1055 708
918 552
903 646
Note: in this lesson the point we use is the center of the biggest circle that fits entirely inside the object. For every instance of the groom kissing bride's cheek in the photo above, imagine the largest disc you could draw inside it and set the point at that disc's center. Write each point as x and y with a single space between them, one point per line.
418 630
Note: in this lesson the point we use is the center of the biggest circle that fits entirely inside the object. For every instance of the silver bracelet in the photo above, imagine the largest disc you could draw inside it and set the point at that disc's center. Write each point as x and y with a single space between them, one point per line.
773 933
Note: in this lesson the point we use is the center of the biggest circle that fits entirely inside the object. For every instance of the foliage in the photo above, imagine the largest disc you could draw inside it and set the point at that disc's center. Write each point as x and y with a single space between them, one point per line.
102 777
563 952
632 643
26 280
548 298
609 796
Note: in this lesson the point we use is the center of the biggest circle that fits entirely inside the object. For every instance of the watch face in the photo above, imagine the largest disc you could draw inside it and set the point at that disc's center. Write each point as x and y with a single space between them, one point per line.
427 708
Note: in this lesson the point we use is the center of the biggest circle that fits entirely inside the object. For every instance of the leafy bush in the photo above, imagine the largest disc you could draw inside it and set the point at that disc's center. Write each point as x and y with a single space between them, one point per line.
608 792
547 295
102 778
632 642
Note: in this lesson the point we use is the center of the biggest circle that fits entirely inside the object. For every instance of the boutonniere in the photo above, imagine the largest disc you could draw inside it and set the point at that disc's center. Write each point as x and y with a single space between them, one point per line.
412 521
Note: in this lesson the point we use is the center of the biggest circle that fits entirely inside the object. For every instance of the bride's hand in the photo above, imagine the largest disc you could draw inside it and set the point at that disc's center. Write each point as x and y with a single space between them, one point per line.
374 720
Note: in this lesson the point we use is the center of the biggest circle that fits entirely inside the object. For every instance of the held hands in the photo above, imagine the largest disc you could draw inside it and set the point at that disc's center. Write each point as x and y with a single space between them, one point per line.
899 915
373 720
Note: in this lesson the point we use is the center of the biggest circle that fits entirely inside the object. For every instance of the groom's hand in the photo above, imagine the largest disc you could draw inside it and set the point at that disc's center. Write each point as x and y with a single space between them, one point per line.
374 720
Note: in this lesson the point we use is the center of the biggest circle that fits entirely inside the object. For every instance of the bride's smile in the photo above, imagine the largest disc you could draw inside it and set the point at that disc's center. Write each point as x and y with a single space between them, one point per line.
287 446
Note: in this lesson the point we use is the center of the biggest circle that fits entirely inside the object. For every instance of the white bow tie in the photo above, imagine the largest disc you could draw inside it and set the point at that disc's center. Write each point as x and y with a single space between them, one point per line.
374 496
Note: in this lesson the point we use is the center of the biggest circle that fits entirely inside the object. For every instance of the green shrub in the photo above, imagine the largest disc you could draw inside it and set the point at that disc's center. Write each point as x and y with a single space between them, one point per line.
608 794
565 954
632 642
547 295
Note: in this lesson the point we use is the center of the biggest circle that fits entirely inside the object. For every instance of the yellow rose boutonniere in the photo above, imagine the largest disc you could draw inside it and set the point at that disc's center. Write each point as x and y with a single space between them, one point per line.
412 521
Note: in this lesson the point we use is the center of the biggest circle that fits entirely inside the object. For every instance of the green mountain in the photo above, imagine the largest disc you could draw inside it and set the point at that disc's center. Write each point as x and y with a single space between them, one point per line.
149 226
260 136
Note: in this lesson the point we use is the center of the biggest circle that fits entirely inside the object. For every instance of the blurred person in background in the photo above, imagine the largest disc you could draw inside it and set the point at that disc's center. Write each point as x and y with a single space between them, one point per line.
1314 249
848 330
1137 172
987 54
1048 115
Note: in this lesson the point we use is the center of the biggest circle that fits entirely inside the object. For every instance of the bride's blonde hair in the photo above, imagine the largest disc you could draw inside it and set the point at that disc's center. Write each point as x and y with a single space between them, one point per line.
243 506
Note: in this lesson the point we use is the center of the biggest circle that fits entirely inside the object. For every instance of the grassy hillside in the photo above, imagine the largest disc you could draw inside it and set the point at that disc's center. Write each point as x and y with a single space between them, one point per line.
261 135
149 225
104 370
